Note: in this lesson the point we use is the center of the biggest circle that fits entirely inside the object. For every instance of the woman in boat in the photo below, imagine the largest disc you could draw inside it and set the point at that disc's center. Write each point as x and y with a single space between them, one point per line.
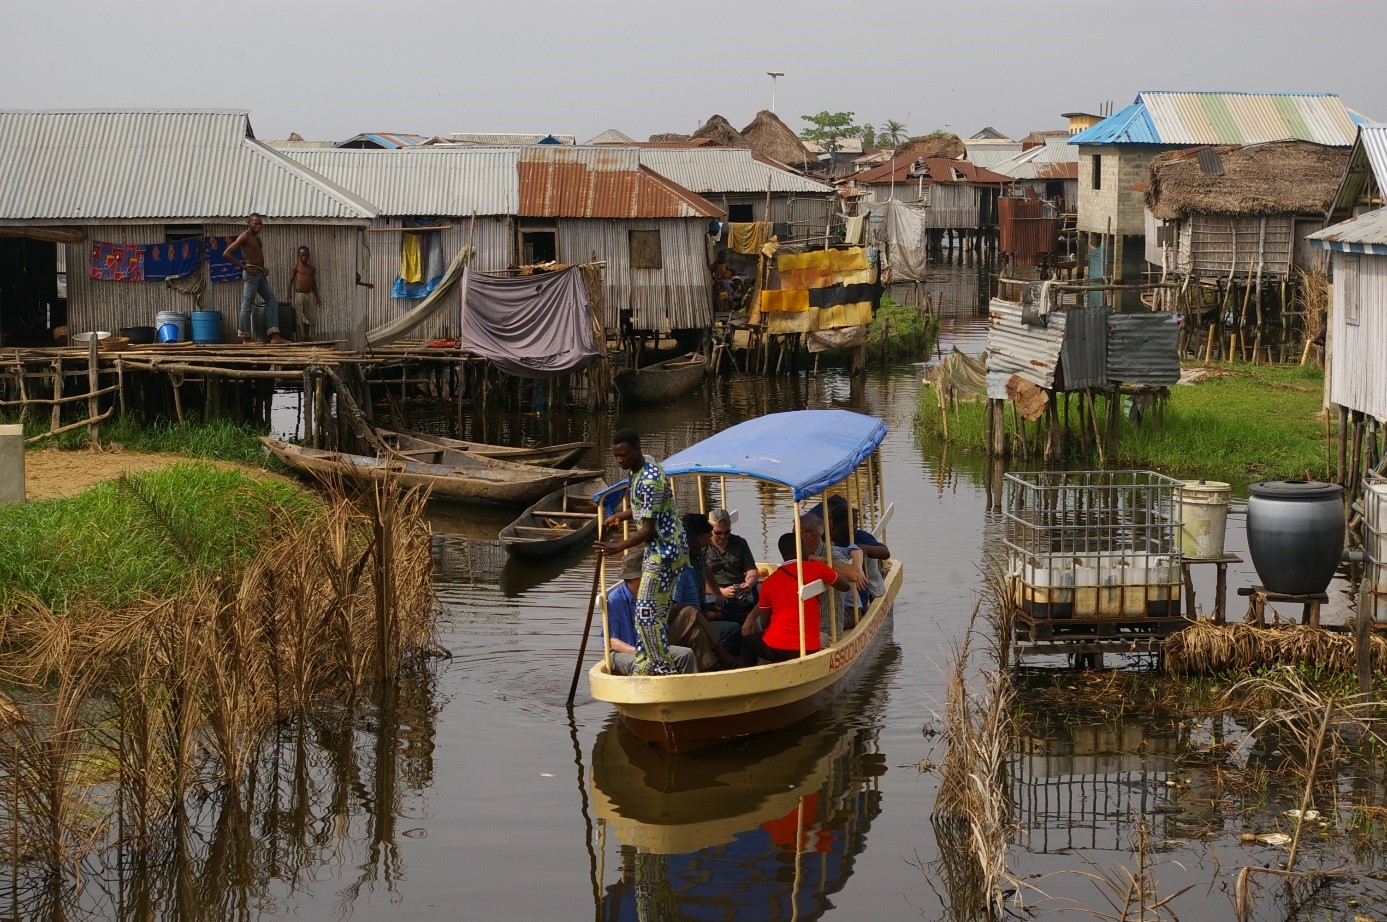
658 527
772 630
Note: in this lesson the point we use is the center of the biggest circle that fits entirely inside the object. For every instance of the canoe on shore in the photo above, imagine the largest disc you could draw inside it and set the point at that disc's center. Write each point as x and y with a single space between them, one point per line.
560 521
662 381
467 479
438 449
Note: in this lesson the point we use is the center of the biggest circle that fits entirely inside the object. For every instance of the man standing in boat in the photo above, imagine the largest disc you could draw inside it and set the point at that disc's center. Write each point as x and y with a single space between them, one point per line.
651 508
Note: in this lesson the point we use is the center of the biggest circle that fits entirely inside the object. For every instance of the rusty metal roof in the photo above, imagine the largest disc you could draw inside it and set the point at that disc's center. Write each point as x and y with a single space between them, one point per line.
939 169
601 182
1364 234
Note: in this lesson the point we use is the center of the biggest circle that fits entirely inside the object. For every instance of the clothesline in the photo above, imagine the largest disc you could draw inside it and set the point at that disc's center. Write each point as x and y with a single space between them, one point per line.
409 230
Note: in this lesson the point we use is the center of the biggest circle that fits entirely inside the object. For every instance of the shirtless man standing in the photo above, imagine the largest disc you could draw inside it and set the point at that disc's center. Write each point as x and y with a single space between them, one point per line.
248 252
303 285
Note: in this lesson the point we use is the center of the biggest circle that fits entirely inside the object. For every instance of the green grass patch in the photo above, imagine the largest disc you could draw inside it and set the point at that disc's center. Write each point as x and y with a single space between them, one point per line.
1246 423
144 535
218 439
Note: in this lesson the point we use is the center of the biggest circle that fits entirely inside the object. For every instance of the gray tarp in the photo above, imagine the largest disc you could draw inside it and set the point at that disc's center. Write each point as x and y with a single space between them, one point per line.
537 326
906 246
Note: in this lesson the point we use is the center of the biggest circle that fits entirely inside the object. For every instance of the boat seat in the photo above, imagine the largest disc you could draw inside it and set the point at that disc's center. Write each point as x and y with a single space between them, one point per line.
566 515
538 528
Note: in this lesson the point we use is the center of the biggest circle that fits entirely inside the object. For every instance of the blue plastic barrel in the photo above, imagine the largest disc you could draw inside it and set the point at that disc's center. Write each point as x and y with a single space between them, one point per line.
207 327
168 333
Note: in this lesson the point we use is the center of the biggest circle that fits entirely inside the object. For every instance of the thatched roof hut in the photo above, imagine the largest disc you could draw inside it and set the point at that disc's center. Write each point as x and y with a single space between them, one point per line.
938 144
669 136
772 138
1276 178
720 130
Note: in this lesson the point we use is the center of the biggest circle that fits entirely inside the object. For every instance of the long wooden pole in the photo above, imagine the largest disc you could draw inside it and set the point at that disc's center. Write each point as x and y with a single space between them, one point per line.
587 628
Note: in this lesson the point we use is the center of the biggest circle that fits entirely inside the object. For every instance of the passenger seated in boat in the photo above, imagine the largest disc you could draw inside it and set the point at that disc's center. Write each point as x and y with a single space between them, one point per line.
848 560
771 631
713 641
732 573
621 616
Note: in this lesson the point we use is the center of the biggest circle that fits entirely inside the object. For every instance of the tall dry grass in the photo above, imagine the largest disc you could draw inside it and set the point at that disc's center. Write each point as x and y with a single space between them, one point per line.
121 714
972 811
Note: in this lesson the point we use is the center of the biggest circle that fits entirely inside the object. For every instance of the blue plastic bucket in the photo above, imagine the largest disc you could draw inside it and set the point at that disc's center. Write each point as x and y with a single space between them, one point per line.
168 333
180 325
207 326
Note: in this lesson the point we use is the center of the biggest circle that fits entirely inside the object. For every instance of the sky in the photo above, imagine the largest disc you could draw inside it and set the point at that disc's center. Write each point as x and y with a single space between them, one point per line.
578 67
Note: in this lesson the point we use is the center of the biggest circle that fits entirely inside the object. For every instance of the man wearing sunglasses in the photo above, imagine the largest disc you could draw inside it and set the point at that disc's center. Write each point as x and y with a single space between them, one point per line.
731 568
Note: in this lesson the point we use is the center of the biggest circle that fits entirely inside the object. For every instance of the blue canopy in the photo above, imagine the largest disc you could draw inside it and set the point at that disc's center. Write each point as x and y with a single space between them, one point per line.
805 450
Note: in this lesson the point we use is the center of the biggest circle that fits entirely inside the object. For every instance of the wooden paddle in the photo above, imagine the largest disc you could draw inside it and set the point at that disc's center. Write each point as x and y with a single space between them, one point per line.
587 626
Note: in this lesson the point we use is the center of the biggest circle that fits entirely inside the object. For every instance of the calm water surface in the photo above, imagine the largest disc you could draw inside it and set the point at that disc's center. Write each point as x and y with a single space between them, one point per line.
482 796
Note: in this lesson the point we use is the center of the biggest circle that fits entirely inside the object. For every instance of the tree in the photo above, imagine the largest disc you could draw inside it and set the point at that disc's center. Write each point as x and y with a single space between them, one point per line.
828 128
894 131
869 137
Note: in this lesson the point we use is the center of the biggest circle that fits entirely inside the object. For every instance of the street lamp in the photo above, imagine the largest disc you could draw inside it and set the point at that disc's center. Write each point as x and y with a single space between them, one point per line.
773 74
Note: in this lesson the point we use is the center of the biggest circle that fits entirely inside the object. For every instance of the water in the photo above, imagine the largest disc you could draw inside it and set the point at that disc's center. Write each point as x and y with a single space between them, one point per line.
480 795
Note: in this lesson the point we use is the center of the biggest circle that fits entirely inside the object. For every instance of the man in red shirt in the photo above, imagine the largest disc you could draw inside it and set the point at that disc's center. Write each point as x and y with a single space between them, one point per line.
776 615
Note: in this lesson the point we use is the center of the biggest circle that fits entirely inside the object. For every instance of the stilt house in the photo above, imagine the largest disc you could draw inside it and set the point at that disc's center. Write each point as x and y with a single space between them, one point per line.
517 206
98 194
1115 156
1240 212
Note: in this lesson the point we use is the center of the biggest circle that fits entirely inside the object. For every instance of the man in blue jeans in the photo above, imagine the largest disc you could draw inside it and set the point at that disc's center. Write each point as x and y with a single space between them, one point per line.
248 252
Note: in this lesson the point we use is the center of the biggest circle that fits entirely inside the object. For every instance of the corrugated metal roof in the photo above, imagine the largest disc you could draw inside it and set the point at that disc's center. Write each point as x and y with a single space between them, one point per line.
940 169
1364 234
1374 138
433 180
94 165
506 139
601 182
1013 348
707 170
1143 348
1225 118
1055 159
388 140
1084 356
988 153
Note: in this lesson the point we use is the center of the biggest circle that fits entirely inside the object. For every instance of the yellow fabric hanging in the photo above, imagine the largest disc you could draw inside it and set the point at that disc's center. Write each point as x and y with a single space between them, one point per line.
847 260
789 262
817 259
412 258
749 237
857 277
784 301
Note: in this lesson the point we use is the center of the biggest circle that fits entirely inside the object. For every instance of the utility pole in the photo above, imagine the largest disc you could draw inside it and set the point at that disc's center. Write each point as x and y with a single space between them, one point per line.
773 74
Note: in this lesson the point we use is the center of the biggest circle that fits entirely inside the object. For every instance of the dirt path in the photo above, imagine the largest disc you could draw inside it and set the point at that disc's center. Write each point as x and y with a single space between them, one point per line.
53 474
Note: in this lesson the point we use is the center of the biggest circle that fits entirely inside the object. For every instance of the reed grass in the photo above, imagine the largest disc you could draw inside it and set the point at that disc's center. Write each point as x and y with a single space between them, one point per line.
156 690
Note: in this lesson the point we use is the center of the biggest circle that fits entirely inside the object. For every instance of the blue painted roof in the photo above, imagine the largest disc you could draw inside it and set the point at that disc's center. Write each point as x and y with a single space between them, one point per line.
805 450
1131 125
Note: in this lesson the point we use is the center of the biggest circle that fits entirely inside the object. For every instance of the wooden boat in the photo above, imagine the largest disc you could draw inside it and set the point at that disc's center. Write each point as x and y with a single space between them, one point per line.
662 381
560 521
438 449
804 452
466 479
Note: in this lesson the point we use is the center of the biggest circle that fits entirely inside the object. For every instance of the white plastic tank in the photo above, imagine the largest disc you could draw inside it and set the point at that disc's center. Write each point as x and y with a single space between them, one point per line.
12 463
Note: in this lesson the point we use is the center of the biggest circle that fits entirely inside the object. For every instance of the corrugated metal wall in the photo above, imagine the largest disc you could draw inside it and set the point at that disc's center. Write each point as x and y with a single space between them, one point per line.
1084 355
1013 348
1356 377
100 305
1143 348
951 205
806 214
676 297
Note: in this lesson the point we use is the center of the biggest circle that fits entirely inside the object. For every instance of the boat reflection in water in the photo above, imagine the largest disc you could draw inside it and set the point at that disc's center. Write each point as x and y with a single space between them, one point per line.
768 829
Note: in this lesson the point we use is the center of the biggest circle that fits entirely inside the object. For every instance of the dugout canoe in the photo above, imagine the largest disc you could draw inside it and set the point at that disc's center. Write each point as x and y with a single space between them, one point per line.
560 521
662 381
807 453
438 449
466 479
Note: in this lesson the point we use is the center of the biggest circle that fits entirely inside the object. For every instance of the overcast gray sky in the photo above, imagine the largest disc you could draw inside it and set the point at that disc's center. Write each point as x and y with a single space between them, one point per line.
330 70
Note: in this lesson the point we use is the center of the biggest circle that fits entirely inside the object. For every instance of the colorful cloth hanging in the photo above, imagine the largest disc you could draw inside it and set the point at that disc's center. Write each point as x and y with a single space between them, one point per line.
117 262
219 268
174 259
421 265
748 237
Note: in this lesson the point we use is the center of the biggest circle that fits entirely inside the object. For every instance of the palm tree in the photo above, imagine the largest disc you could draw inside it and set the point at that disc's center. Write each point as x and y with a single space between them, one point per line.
894 130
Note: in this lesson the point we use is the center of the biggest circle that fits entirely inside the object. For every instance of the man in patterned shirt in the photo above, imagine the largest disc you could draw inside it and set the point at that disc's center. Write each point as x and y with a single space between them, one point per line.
658 527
